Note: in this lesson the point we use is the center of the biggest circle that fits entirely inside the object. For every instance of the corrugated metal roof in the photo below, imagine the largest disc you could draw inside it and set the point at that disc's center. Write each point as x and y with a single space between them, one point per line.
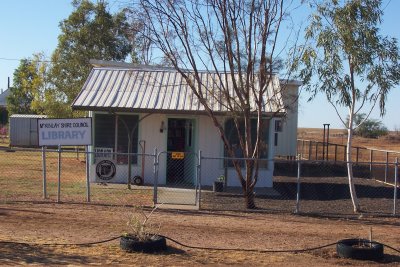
30 116
166 91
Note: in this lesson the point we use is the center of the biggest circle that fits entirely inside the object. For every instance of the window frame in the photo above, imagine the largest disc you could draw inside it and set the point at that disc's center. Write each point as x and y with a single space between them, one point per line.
266 138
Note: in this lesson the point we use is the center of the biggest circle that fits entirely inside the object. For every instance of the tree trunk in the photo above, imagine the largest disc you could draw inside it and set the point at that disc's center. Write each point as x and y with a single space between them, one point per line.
249 197
353 194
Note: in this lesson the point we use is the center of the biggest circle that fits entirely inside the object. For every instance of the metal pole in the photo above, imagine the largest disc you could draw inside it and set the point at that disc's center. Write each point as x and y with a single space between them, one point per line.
59 174
327 143
298 188
396 176
87 175
357 154
44 172
387 166
323 144
335 153
199 180
370 160
155 171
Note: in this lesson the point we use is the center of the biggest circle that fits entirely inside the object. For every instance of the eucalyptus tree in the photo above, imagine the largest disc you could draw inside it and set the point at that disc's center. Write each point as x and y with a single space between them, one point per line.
27 96
90 32
348 60
235 42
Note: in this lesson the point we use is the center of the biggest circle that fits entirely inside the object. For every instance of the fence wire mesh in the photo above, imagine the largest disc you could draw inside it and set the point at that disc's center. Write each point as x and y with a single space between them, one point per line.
321 188
227 193
181 179
324 189
21 175
125 187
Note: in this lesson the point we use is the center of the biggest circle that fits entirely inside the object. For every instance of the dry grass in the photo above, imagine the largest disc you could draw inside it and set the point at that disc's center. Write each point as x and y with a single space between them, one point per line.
21 178
390 143
339 136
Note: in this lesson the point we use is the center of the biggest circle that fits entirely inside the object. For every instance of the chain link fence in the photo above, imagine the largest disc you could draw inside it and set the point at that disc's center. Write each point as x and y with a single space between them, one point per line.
180 185
307 187
227 193
323 189
311 187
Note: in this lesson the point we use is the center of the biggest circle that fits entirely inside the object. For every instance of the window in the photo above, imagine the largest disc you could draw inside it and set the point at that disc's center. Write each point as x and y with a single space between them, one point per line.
232 135
127 126
111 131
278 126
104 130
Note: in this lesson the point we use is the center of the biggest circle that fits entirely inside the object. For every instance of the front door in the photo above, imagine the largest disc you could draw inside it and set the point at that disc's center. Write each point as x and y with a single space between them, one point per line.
180 159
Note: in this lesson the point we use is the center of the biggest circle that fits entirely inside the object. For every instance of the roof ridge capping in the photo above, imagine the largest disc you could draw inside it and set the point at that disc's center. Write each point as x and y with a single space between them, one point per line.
124 65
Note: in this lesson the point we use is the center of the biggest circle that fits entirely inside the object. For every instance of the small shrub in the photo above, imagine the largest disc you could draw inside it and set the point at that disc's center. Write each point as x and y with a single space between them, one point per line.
139 225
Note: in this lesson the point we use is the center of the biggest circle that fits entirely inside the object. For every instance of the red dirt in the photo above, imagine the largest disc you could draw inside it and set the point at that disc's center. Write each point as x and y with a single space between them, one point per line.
25 227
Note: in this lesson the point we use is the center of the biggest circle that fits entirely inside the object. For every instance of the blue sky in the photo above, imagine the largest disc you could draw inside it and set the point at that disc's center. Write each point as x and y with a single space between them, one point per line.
31 26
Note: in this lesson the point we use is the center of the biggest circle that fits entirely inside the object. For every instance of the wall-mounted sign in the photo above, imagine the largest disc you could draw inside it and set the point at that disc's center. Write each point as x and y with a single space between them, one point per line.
103 152
177 155
105 170
65 132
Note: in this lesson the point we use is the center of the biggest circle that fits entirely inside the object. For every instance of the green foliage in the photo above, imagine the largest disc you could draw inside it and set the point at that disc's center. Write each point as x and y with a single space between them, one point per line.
348 60
368 128
26 96
90 32
345 47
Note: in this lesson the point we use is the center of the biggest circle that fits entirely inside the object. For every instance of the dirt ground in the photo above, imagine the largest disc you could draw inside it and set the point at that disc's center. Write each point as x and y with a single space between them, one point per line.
28 230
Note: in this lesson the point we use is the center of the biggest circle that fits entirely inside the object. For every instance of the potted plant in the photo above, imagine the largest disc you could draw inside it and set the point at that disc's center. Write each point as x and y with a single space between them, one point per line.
142 236
218 185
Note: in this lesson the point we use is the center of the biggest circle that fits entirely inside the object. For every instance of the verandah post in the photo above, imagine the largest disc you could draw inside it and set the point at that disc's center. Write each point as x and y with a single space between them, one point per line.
155 172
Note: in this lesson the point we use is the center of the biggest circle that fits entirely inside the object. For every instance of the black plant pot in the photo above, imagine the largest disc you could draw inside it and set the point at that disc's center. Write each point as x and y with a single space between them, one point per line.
154 243
360 249
218 186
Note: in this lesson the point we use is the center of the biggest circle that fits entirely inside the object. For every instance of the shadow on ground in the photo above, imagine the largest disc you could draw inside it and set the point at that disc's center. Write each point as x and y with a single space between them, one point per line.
13 253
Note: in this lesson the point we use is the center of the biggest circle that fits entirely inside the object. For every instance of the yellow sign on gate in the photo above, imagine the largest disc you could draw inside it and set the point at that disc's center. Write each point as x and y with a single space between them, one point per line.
178 155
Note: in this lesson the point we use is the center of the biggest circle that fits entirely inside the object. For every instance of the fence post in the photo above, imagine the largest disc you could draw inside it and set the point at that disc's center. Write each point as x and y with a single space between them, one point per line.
298 187
44 172
316 150
59 174
387 166
371 152
155 172
357 154
309 150
87 175
335 153
327 149
199 180
396 176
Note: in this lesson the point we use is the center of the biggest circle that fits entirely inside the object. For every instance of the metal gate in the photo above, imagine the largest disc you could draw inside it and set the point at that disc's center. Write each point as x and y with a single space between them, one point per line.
177 178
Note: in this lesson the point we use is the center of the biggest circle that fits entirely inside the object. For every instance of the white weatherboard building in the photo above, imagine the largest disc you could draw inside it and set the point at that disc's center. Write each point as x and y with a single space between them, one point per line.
158 109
